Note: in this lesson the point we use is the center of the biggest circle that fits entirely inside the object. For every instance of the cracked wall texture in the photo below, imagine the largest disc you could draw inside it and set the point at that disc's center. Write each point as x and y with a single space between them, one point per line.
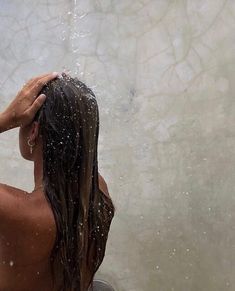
163 73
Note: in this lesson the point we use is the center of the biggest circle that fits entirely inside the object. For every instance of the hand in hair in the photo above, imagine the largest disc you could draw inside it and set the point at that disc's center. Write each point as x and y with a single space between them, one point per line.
23 108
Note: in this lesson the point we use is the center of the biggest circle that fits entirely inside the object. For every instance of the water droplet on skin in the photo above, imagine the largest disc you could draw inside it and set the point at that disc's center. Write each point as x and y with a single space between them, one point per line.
11 263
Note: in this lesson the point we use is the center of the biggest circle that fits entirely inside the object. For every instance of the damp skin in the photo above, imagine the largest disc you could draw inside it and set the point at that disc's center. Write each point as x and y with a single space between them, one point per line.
74 212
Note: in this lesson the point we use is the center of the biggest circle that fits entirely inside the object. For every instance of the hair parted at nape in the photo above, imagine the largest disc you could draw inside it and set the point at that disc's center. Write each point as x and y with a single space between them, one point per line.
69 127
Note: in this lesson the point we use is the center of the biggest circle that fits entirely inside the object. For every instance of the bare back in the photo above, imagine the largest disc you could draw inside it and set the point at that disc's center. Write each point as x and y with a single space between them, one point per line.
27 231
27 236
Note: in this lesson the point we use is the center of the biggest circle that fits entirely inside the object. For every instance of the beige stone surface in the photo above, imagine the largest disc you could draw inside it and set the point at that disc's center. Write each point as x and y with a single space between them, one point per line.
163 73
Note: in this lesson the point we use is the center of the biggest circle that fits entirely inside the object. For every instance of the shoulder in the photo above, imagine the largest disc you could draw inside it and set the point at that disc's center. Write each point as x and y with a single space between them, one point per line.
11 190
19 210
103 185
8 192
12 203
104 189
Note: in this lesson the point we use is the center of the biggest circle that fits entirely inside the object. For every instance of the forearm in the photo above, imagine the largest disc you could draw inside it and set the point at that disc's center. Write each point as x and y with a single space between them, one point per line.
6 122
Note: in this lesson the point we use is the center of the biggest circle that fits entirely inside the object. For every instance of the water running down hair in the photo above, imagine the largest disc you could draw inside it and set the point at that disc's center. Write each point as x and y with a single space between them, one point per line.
69 128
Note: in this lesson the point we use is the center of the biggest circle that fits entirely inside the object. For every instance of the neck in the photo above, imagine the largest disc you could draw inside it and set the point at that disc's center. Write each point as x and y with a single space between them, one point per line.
38 172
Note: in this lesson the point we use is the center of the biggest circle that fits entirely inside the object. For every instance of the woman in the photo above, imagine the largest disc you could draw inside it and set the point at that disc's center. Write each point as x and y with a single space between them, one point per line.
54 238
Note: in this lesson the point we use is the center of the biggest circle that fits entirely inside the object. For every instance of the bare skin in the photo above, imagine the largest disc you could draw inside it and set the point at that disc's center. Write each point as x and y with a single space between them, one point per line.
27 225
27 235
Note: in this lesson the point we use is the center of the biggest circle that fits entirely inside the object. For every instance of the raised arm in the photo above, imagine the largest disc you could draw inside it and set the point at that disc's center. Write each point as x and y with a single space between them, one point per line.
23 108
3 123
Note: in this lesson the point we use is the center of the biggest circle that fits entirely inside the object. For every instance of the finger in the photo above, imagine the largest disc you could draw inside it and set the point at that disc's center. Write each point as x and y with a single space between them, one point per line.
35 79
36 105
39 84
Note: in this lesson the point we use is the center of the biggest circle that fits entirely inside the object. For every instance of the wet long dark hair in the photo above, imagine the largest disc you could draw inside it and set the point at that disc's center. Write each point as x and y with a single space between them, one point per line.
69 127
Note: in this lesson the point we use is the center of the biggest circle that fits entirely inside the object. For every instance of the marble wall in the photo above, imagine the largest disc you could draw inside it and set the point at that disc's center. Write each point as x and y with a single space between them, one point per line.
163 73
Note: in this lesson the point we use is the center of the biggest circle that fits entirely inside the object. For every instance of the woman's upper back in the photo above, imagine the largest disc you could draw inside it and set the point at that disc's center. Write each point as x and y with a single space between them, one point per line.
27 236
27 231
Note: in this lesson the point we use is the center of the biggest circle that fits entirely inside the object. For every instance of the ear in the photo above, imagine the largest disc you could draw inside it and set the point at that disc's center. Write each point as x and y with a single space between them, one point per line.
33 133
